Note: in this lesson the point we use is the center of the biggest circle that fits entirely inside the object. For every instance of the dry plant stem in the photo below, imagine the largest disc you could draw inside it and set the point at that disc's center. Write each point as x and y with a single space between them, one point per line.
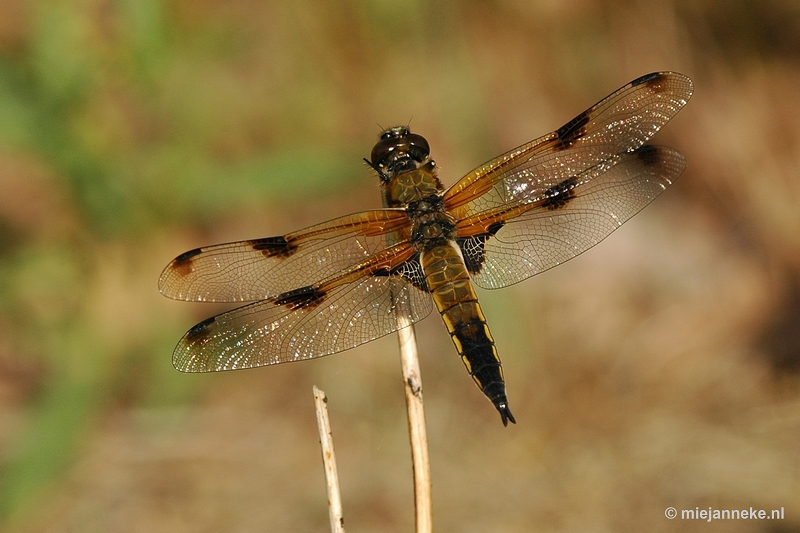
329 461
416 427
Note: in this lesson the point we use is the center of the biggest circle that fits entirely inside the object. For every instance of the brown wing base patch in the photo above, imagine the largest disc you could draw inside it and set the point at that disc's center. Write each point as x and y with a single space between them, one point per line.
410 270
474 248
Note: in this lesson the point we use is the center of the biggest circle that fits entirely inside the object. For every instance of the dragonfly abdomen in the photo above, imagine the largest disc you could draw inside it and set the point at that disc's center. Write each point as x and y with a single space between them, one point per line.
455 298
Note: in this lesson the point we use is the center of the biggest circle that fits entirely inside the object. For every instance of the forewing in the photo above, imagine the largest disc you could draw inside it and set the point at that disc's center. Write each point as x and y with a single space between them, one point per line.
621 122
274 331
261 268
567 219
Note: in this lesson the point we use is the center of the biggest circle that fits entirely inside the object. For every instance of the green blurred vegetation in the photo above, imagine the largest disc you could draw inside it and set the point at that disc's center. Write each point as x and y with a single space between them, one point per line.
131 130
123 120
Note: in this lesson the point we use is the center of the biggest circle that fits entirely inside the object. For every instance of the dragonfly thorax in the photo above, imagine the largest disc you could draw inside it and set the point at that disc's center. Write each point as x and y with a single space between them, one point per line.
412 186
431 225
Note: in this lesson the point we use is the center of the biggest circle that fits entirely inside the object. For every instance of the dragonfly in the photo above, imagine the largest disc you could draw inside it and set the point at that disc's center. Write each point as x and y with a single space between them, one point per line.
348 281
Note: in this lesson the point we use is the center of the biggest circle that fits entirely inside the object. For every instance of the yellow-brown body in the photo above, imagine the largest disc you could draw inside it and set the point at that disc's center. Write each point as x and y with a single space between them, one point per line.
409 181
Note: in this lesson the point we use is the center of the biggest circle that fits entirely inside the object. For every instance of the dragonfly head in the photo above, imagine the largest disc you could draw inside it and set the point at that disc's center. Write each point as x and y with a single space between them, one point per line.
398 150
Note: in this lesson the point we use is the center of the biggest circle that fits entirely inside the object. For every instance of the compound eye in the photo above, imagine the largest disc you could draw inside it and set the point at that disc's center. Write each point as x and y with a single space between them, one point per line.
384 148
417 147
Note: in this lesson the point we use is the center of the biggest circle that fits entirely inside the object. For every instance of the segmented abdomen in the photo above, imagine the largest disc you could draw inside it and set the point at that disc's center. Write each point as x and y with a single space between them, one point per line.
449 283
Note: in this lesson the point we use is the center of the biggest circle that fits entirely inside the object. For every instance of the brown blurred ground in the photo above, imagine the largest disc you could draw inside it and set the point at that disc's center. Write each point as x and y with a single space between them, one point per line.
662 368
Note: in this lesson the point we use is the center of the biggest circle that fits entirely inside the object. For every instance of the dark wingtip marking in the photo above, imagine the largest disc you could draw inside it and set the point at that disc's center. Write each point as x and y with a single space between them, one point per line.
183 263
648 154
302 298
572 130
653 80
273 246
560 195
200 331
647 78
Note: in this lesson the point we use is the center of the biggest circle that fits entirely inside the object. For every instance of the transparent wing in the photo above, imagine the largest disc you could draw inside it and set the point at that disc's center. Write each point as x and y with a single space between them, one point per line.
274 331
567 219
620 123
258 269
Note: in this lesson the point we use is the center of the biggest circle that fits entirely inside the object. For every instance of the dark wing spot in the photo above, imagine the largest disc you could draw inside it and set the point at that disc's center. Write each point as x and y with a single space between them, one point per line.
560 194
186 256
653 81
302 298
183 263
572 130
274 246
199 333
410 270
648 154
474 248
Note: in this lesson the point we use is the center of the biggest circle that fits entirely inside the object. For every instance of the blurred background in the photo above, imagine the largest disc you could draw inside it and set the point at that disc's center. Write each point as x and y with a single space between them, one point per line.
661 368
